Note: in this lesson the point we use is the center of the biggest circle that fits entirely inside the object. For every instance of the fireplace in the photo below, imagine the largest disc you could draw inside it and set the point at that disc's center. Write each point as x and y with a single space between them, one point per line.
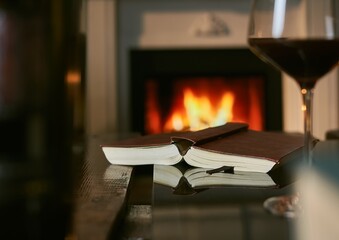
189 89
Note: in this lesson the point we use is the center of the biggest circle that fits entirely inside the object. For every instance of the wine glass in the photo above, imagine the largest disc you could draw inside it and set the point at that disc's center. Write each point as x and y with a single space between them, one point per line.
300 38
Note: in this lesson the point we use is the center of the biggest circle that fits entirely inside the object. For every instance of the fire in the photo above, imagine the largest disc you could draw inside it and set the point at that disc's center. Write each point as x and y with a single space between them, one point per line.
196 103
200 111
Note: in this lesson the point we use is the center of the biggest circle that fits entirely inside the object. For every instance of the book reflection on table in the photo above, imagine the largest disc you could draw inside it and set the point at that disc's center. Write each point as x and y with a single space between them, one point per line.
187 180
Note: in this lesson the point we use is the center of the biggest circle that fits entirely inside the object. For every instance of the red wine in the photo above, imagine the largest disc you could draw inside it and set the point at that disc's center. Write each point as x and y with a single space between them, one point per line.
306 60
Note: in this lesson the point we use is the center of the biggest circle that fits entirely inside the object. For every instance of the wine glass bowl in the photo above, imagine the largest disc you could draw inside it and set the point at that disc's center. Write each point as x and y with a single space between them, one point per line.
299 38
305 60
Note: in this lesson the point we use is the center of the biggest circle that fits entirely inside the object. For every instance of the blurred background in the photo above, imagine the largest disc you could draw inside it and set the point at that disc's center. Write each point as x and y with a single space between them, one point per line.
119 33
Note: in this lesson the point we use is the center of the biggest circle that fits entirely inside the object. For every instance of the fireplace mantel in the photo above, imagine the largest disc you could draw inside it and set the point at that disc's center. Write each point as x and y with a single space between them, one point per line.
177 24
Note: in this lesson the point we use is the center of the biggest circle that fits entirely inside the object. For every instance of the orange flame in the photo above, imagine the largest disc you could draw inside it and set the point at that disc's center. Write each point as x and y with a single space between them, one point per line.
199 112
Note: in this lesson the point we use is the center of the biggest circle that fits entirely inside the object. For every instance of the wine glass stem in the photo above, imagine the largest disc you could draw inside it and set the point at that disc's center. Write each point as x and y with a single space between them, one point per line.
307 95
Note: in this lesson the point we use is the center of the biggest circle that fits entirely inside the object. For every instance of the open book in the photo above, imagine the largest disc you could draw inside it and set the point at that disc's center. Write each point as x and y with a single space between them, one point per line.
232 144
188 180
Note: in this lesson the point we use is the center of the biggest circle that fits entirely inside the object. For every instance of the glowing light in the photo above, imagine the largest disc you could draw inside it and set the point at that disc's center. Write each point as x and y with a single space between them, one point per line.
177 122
200 112
303 108
73 77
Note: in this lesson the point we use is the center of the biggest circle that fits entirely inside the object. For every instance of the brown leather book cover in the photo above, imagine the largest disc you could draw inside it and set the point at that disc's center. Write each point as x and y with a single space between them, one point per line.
232 145
193 137
210 134
273 146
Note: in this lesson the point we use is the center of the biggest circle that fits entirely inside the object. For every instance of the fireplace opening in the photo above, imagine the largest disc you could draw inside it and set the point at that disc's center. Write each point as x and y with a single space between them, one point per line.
199 102
179 90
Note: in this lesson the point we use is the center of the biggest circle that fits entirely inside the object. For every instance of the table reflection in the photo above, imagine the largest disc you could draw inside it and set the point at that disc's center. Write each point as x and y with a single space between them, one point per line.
236 211
217 212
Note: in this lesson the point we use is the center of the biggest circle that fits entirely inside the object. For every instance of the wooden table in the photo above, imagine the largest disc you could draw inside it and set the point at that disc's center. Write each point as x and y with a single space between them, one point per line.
119 202
112 201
